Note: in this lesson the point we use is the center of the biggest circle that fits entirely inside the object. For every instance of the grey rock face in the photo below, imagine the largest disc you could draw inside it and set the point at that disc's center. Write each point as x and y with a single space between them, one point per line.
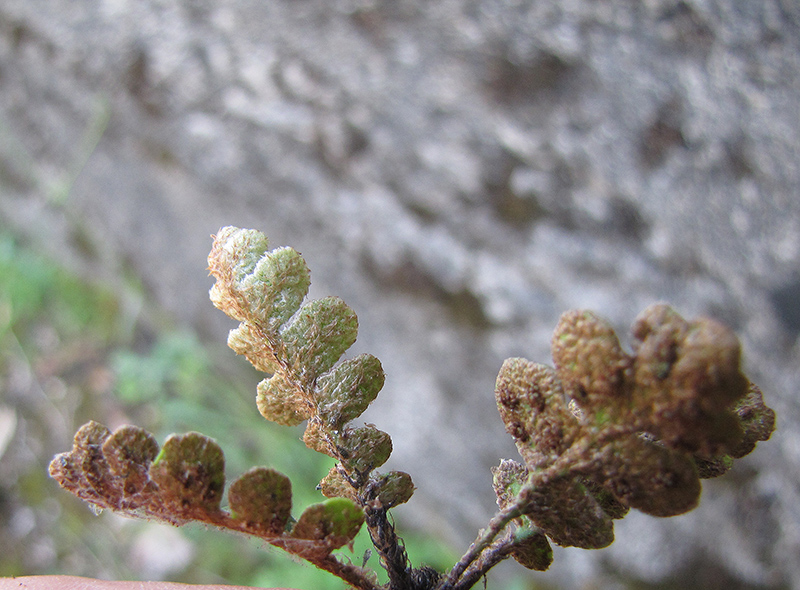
460 172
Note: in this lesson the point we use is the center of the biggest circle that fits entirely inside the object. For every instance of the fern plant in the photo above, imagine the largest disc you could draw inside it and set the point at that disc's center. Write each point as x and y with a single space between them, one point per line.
599 433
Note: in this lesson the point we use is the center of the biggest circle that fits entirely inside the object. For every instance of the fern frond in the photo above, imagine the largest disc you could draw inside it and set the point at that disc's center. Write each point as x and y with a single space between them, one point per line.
300 344
606 430
125 471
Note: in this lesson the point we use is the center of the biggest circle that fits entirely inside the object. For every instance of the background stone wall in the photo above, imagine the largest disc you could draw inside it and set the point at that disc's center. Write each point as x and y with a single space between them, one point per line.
460 172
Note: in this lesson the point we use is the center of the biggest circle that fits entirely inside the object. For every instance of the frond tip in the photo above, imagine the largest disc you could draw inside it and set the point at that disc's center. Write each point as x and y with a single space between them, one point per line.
300 343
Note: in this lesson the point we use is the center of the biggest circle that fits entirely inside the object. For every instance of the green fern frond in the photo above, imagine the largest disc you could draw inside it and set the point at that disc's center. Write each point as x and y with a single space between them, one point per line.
300 344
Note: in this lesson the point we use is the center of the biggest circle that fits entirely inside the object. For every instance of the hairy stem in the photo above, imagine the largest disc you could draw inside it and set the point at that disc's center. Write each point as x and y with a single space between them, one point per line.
354 576
575 459
490 557
351 574
391 550
485 538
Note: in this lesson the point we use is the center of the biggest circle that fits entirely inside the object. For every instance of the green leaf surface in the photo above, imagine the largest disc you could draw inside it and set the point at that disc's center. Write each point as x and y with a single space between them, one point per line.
532 549
364 449
336 521
344 392
757 421
335 485
279 401
247 341
262 498
533 406
589 359
276 288
190 472
318 335
233 256
394 488
650 477
129 452
569 515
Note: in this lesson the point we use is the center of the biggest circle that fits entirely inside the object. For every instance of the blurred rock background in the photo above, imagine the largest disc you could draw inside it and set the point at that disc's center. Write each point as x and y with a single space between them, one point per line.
460 172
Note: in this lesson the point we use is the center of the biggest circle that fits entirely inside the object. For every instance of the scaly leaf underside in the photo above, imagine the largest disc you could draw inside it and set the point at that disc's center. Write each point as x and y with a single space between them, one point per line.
125 471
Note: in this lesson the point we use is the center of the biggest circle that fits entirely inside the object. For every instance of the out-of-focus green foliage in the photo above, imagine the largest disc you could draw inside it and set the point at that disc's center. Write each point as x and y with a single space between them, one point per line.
177 365
34 291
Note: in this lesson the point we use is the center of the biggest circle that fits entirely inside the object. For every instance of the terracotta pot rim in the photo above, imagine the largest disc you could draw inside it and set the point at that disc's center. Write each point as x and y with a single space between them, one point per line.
59 582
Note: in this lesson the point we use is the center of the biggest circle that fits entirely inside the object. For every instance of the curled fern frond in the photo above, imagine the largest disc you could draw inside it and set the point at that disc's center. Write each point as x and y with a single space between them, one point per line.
184 481
605 430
